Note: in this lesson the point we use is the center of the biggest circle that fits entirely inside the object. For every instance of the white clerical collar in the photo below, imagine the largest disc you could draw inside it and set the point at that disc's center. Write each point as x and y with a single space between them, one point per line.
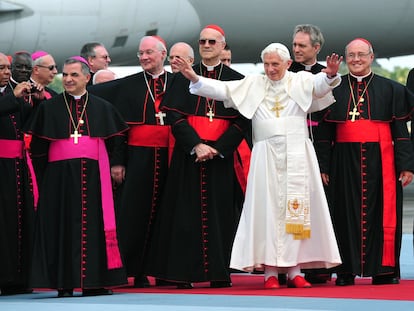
76 97
309 67
360 78
33 80
211 68
2 89
155 76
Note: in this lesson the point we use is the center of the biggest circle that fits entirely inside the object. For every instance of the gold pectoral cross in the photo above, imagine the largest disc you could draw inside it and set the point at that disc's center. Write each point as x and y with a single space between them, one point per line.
75 136
277 108
210 115
353 113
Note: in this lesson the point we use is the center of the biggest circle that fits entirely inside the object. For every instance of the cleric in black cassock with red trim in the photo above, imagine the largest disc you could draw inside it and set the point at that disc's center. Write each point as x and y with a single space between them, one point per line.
138 98
365 151
201 204
16 192
75 236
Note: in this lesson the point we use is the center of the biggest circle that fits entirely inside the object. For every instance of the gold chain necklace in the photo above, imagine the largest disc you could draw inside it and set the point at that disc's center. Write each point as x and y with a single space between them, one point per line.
210 113
149 88
354 111
160 115
76 133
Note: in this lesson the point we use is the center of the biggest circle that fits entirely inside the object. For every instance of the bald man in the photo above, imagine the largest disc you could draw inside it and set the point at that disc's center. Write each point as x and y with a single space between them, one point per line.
180 50
103 75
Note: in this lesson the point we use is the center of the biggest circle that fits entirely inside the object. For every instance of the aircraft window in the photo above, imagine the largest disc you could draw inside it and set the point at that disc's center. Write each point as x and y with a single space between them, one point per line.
120 41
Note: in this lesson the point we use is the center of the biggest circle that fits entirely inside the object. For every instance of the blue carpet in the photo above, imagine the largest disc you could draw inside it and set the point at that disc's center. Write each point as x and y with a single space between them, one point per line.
46 301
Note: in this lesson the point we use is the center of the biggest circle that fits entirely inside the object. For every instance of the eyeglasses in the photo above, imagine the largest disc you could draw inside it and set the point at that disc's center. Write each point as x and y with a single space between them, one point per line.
106 57
51 67
209 41
148 52
357 55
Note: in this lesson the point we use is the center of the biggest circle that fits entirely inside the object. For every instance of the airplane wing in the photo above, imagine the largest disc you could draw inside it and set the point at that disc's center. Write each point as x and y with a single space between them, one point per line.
7 7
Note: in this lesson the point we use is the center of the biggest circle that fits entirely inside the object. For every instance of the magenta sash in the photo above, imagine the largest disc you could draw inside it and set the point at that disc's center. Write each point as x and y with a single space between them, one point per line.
94 148
13 149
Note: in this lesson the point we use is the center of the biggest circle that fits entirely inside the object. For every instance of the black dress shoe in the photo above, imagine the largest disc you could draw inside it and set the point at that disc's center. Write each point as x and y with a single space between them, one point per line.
161 282
345 280
141 282
15 290
96 292
385 279
314 278
65 293
184 285
220 284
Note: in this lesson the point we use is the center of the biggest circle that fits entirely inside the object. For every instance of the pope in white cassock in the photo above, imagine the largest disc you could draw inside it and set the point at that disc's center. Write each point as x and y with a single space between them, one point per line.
285 224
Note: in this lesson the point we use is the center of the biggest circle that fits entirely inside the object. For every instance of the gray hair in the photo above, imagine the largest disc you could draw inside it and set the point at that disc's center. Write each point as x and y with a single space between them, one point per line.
313 31
88 50
39 60
159 46
84 67
370 48
188 47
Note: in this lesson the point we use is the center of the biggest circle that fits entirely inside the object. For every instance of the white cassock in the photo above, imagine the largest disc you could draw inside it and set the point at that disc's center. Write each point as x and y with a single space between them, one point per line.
284 183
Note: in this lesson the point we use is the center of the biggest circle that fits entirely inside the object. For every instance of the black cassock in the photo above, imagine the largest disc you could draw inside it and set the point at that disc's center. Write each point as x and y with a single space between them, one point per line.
355 162
201 204
16 196
69 241
146 161
296 67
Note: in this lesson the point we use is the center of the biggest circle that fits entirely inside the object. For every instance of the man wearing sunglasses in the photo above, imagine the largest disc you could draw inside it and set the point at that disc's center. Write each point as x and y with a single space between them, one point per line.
43 72
197 218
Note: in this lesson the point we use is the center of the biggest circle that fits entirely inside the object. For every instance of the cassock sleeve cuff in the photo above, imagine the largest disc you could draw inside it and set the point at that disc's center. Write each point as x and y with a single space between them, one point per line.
334 81
196 86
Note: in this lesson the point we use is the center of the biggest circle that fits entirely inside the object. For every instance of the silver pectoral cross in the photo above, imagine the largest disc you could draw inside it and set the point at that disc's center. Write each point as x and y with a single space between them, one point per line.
160 115
75 136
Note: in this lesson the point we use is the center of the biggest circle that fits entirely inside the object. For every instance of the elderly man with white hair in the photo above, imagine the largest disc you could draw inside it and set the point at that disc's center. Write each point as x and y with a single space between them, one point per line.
285 224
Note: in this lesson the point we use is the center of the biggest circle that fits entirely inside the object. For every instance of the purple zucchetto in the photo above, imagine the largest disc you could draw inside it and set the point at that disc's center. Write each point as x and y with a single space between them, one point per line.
38 54
80 59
